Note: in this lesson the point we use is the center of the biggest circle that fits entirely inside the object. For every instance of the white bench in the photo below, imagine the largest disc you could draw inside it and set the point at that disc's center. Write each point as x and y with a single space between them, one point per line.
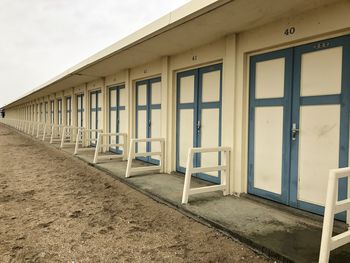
224 168
101 144
68 135
333 206
133 155
85 139
56 133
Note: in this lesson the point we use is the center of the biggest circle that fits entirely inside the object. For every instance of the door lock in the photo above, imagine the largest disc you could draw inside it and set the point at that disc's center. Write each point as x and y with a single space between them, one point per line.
198 126
295 131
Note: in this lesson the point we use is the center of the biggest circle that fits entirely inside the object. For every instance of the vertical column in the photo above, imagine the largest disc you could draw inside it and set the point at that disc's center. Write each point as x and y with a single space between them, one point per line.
165 114
228 108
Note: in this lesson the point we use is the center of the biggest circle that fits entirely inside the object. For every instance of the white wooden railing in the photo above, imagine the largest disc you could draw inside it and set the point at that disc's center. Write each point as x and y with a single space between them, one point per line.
133 155
122 142
333 206
224 168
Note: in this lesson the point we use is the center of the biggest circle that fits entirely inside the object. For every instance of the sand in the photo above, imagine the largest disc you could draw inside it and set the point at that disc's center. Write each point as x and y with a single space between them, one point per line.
55 208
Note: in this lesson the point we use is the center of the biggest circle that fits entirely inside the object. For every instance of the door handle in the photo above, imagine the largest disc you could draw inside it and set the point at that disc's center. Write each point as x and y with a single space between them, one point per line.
295 131
198 126
149 123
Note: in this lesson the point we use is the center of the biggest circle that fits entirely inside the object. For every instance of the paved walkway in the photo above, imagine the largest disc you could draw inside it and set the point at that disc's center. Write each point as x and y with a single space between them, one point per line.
282 232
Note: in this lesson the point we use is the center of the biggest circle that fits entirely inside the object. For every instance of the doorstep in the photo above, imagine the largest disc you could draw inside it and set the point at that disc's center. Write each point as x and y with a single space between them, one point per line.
281 232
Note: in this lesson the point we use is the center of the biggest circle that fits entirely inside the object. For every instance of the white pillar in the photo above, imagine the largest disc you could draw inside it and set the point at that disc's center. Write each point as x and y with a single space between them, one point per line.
228 108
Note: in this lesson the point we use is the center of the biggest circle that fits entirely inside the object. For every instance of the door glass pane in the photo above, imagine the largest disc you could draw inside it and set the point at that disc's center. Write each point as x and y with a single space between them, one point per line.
113 98
187 89
210 137
211 86
99 120
269 79
142 95
113 126
318 150
123 124
156 93
93 100
142 129
99 99
122 97
79 102
268 141
185 134
321 72
113 122
79 120
156 131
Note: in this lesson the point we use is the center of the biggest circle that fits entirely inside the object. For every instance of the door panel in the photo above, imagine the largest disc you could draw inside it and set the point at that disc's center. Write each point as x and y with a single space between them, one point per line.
59 111
291 150
211 86
318 150
113 127
185 135
269 117
142 130
95 113
268 134
187 89
116 110
80 110
156 130
210 129
142 95
199 117
123 122
269 80
321 72
148 115
156 93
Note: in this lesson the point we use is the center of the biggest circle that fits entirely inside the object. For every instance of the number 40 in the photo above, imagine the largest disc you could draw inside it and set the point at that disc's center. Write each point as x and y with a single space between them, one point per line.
289 31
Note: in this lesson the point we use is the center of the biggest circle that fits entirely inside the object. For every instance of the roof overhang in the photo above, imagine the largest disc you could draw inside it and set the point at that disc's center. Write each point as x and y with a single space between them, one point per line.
192 25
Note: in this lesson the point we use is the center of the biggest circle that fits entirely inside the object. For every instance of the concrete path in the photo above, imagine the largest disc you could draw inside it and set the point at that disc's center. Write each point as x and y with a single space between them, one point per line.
282 232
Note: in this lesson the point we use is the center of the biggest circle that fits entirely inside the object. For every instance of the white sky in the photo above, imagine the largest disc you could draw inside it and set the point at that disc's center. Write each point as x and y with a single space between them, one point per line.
39 39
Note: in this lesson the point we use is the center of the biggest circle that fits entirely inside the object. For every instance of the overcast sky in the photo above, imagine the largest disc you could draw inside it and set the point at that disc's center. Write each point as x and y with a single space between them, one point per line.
39 39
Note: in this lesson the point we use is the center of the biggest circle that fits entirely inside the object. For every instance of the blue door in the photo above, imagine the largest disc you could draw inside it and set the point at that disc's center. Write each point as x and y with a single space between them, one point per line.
117 114
299 122
198 117
148 116
95 112
80 110
68 111
59 102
